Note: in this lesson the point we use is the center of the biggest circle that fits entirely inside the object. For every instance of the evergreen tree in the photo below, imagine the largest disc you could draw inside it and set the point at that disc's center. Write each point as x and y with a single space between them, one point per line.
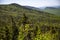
25 20
7 33
15 29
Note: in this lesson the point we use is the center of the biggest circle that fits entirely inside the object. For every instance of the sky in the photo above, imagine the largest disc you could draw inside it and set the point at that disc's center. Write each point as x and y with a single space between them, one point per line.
34 3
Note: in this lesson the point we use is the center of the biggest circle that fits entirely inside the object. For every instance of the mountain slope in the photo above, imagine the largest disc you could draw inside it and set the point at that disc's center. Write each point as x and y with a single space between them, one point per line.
52 10
21 9
20 23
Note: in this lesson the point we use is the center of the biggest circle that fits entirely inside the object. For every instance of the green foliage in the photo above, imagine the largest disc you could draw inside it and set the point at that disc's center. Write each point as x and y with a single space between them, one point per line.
20 23
55 11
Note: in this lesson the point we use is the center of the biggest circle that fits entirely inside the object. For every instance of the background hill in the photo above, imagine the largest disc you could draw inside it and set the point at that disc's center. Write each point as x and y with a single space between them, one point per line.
20 23
53 10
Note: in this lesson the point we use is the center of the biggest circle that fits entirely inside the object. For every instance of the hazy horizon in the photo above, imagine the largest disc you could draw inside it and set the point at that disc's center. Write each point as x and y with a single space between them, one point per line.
34 3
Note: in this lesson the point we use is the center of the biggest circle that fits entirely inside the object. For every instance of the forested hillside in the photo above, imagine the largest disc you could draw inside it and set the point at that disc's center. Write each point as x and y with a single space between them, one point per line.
20 23
52 10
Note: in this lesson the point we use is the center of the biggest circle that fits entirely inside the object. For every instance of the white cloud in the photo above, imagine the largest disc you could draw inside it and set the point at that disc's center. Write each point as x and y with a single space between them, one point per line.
36 3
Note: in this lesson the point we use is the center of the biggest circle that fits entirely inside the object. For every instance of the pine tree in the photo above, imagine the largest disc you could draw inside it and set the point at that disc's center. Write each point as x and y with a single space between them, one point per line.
25 20
7 33
15 29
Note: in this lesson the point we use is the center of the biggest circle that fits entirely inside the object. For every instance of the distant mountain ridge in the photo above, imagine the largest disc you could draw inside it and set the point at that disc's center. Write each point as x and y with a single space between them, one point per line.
53 7
52 10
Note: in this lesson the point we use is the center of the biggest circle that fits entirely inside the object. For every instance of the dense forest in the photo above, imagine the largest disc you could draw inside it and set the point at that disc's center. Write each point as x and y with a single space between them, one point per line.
20 23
